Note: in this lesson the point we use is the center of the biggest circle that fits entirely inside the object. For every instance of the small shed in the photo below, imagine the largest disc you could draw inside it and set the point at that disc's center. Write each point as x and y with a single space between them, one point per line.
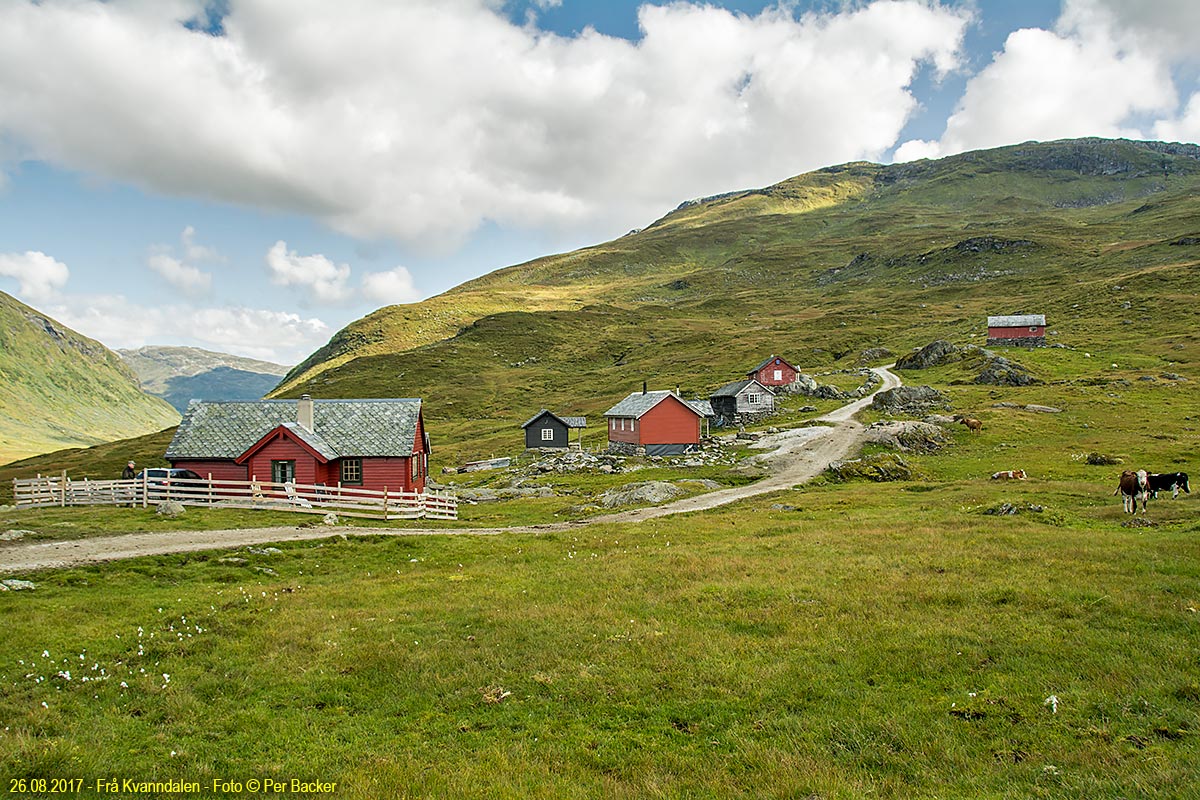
775 371
742 401
547 429
1017 330
657 423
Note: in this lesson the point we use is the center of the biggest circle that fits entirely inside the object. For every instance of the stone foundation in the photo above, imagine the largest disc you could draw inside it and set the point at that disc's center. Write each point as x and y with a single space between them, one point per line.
1023 341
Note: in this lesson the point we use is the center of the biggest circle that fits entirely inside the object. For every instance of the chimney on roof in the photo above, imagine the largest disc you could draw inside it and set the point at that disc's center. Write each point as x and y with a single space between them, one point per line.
643 387
304 411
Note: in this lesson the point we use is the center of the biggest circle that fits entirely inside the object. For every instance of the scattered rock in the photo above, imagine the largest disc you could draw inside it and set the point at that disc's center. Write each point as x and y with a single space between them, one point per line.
233 561
999 371
908 436
703 483
1029 407
1102 459
169 509
933 354
330 519
14 585
1171 376
643 493
266 570
264 551
783 507
1007 509
1138 522
910 400
873 354
879 467
14 534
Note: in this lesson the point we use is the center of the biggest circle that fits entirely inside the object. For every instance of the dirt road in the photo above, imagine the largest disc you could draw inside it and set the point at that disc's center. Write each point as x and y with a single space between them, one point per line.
792 457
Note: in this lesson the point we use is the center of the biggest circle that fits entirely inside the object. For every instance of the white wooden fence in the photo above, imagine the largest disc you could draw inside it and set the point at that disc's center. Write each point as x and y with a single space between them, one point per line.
347 501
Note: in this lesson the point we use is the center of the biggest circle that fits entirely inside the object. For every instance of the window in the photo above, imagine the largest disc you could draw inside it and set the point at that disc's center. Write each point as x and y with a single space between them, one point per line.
352 470
778 375
752 399
547 434
283 471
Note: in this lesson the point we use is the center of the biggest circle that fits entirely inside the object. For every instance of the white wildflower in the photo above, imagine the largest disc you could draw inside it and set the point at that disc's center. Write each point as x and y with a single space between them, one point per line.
1051 701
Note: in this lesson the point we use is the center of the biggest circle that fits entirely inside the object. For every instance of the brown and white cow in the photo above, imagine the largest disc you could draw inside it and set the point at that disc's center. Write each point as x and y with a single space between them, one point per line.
973 425
1134 487
1009 475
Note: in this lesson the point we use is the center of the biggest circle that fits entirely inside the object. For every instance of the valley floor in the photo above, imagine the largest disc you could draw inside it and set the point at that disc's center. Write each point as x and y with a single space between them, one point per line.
793 457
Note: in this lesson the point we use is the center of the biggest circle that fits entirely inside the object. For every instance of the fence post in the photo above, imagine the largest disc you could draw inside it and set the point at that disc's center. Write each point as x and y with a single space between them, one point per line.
63 504
210 488
385 501
145 487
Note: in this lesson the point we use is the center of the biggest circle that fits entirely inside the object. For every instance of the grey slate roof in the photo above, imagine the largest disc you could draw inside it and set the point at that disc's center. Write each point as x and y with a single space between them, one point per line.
343 428
638 403
735 388
1017 321
570 422
703 407
769 360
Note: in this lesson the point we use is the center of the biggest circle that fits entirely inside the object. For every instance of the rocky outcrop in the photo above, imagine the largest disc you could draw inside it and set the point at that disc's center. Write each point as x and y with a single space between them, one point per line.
644 493
880 468
934 354
908 436
913 400
994 370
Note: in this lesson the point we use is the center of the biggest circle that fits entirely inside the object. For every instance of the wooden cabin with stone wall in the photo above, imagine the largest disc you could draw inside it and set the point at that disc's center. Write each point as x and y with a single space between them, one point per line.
547 429
742 403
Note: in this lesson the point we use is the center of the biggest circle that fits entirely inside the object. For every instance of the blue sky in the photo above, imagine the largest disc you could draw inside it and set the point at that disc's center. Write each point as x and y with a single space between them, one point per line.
250 176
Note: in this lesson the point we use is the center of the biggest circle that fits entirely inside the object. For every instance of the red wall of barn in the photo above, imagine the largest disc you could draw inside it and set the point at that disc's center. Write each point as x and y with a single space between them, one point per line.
766 375
629 435
669 422
1017 333
393 474
220 470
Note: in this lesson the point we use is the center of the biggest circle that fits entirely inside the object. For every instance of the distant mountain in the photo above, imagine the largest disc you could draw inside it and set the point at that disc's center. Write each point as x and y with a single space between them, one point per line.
181 374
61 389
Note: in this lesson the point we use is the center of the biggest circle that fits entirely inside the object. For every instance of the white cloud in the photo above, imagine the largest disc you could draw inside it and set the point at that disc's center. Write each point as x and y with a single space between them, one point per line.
393 286
186 279
1185 128
39 276
197 252
1104 69
422 120
319 277
279 336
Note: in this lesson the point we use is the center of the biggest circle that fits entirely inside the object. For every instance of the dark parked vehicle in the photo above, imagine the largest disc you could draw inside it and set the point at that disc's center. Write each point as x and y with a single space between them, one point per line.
161 480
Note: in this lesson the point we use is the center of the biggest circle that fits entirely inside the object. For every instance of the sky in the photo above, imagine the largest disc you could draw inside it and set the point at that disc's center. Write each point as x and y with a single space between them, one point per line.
249 176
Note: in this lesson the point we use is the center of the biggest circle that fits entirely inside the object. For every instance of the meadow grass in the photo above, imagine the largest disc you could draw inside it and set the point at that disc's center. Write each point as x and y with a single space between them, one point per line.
889 640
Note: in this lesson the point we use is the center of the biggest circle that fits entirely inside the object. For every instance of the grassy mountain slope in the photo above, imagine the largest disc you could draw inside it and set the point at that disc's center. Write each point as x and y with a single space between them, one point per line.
60 389
180 374
1097 234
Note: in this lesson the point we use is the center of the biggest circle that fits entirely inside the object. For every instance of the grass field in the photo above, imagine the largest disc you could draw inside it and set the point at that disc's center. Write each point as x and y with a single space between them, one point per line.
881 640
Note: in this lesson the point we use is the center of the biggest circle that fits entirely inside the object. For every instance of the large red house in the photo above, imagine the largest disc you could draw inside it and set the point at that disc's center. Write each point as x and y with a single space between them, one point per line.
775 371
371 444
659 422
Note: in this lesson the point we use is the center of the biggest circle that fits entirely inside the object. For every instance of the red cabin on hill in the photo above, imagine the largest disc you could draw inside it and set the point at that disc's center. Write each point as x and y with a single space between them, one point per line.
1021 330
774 372
372 444
659 422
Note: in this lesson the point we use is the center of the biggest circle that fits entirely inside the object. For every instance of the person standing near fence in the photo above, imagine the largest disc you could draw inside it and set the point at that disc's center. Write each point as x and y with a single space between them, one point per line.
128 473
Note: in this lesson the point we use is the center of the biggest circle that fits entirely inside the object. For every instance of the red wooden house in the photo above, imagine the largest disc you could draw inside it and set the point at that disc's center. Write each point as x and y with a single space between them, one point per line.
372 444
773 372
1022 330
659 422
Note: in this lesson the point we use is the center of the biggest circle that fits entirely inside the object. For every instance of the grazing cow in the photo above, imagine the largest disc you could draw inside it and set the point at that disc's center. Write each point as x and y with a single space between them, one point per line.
1134 486
973 425
1009 475
1160 482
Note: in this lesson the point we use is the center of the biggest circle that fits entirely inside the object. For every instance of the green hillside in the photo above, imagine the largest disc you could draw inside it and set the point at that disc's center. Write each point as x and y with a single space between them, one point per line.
1099 235
60 389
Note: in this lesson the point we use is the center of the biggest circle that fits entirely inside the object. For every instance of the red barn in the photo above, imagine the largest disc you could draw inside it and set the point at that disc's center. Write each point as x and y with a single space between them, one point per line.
1019 330
774 372
372 444
658 422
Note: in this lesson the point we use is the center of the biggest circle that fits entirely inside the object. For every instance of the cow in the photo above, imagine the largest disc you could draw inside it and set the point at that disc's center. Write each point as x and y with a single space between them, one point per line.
1134 486
973 425
1009 475
1160 482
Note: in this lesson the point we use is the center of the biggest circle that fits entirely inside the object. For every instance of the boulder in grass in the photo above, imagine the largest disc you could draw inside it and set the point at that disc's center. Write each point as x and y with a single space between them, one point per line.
881 467
643 493
169 509
15 585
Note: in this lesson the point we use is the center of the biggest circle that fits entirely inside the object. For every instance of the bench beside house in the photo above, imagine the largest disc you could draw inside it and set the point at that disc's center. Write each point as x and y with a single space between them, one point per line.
547 429
742 402
1017 330
654 424
372 444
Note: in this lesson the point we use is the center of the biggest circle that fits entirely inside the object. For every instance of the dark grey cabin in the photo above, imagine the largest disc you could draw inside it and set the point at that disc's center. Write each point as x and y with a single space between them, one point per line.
547 429
742 401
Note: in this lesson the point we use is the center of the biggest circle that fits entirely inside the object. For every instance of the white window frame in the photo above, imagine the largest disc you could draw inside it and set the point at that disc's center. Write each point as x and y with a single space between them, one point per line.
777 375
547 434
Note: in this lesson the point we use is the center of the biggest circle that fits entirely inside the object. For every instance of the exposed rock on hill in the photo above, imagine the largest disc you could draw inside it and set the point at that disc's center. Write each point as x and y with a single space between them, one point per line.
994 370
908 436
880 467
912 400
